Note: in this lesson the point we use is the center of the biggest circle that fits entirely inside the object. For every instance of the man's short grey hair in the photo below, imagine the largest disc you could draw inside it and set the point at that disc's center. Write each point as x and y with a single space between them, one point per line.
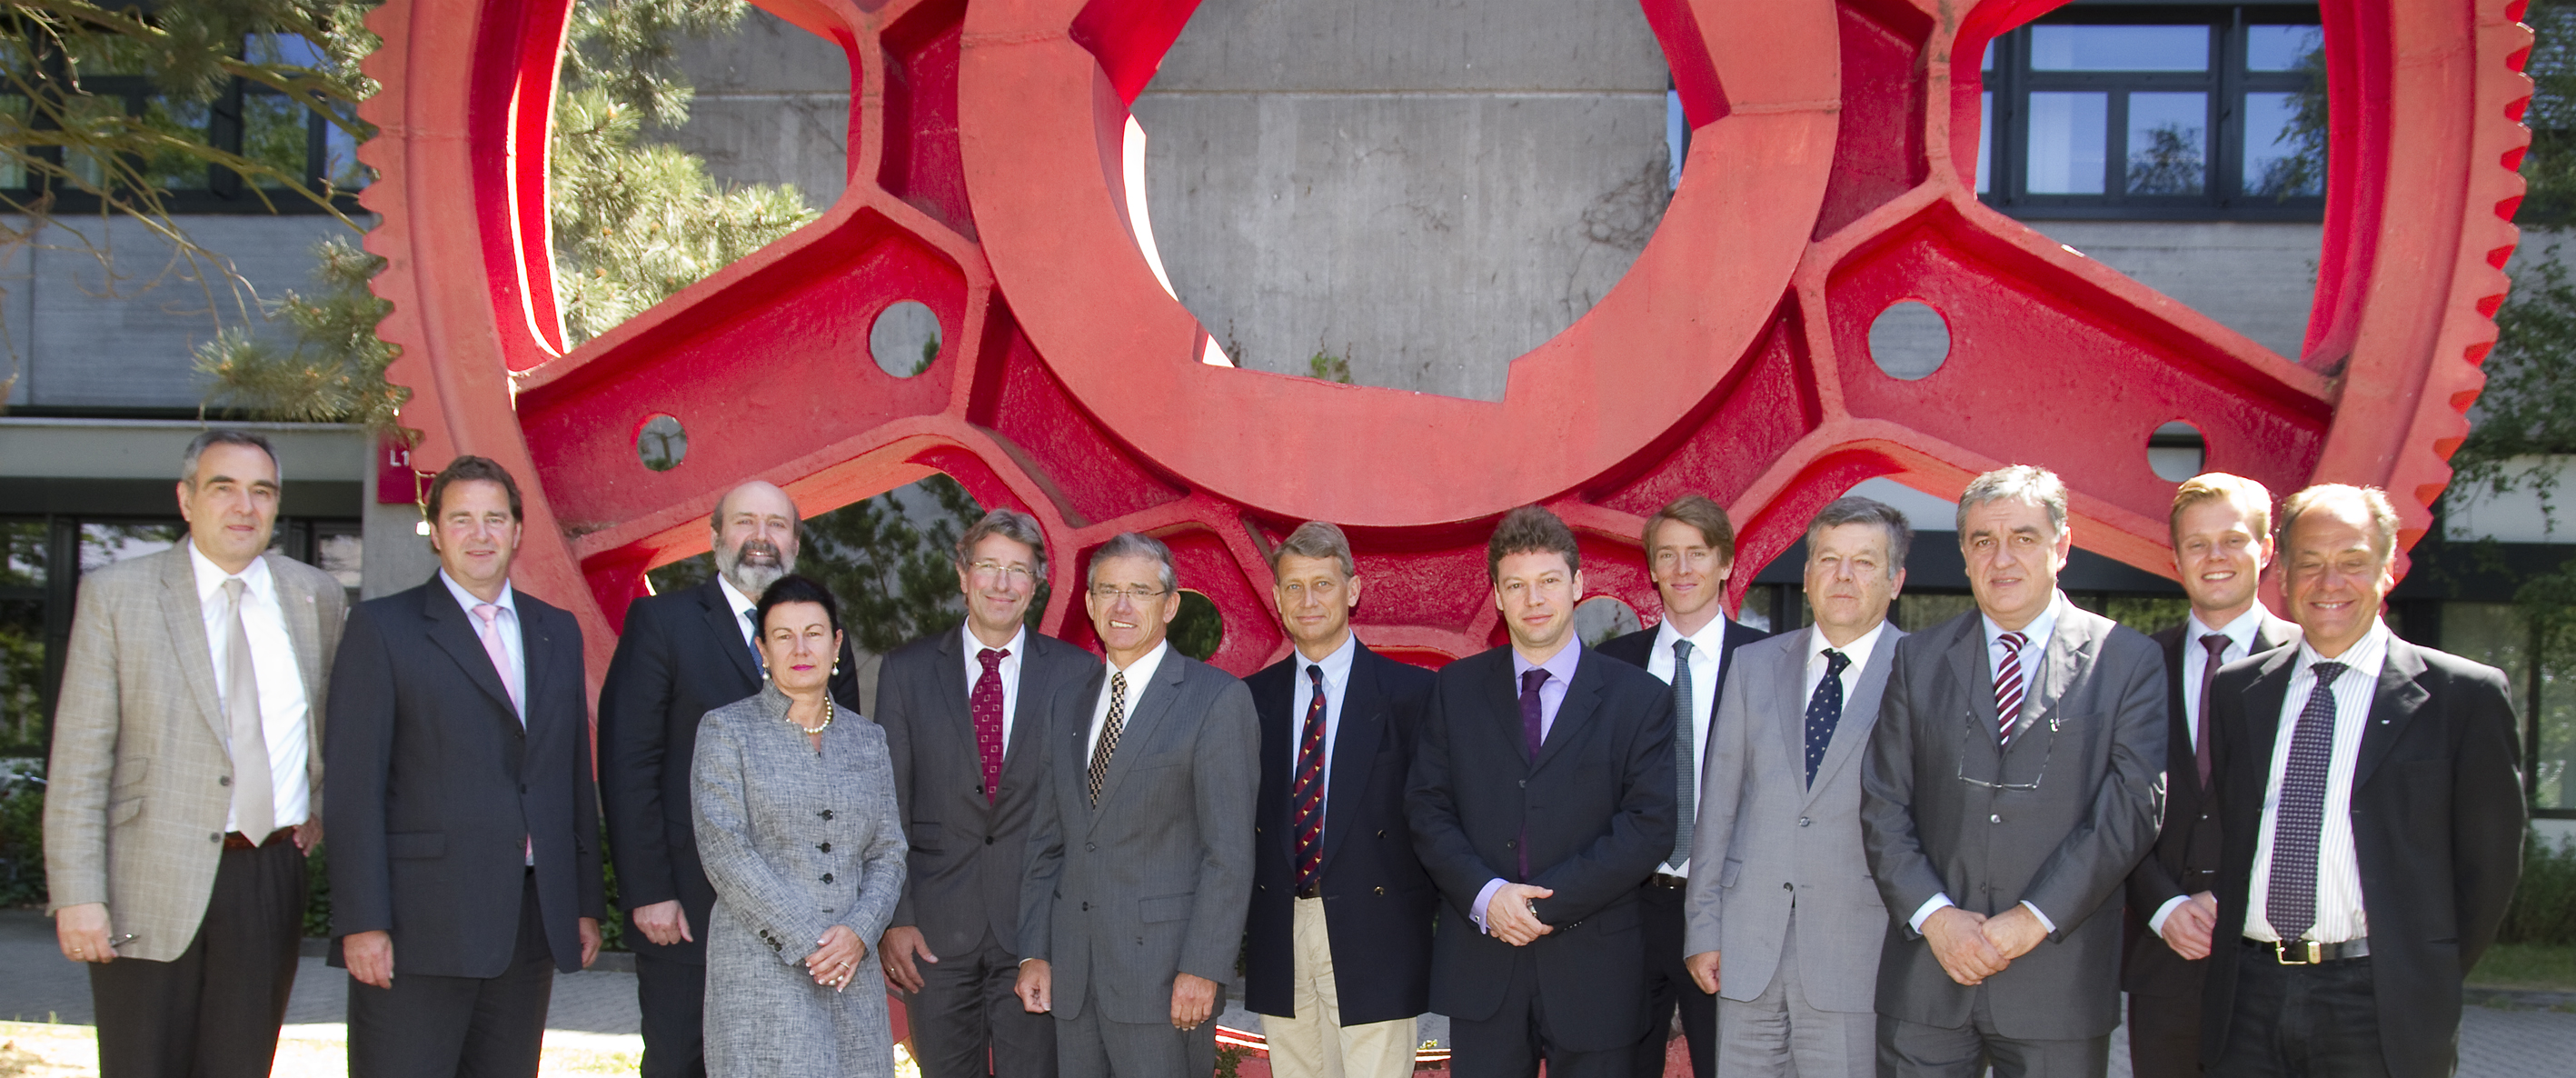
1010 524
2021 483
1859 510
227 436
1315 539
1135 545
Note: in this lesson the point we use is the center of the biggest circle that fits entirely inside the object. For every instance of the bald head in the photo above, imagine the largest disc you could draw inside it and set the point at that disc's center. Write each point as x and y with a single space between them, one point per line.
755 533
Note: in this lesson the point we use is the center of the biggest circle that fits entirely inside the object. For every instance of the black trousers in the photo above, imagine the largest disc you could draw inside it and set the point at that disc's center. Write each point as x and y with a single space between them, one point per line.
2317 1021
967 1023
2164 1036
672 995
1511 1043
1669 985
212 1012
457 1027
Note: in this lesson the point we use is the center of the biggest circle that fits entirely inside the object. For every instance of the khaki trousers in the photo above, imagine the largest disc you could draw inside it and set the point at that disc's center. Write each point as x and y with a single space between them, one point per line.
1316 1044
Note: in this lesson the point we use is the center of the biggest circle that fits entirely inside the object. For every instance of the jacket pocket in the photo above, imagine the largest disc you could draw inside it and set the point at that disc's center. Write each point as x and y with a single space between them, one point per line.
121 811
130 770
416 844
1165 908
924 836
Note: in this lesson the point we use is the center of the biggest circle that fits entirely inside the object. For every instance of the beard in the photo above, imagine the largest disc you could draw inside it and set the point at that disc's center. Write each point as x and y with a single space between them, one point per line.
754 566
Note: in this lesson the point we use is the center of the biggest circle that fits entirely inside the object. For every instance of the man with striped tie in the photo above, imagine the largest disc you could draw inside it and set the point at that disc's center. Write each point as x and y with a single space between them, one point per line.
2370 795
2015 777
1335 882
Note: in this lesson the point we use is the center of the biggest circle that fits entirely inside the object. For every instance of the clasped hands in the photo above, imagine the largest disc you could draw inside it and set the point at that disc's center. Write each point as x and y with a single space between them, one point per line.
1511 917
1193 996
1972 946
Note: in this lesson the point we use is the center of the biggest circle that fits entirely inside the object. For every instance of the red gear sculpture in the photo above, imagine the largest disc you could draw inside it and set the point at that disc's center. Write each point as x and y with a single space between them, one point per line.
1831 174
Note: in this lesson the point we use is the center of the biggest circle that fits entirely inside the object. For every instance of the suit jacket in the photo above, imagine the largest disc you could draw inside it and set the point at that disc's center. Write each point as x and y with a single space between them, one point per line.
1767 835
2185 859
2437 822
681 656
2091 736
134 816
1378 901
436 786
1636 648
968 852
1166 858
1596 809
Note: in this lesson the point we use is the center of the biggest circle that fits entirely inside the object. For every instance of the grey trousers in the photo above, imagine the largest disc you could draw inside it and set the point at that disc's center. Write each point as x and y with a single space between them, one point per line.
1088 1045
1778 1034
966 1023
1914 1050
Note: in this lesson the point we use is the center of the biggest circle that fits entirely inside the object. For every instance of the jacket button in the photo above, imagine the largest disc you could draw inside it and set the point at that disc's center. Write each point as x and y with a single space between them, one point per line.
1086 907
826 847
1787 886
1381 832
1256 829
226 780
988 840
1086 847
827 814
1381 892
827 877
1997 818
1803 821
1261 887
1524 784
1511 844
214 836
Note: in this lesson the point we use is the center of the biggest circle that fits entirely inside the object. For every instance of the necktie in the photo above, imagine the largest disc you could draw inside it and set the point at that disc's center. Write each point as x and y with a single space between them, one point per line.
1825 710
986 706
1534 734
759 661
1309 792
2008 685
2291 902
1109 728
2217 645
254 796
490 631
1685 756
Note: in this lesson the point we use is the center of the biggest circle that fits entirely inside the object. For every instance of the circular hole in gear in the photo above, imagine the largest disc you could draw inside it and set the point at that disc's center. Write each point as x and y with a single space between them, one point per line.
661 443
905 338
1909 340
1601 618
1199 628
2176 451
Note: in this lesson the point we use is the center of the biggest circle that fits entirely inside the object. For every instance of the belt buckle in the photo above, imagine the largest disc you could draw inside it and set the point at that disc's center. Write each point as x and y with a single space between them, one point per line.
2315 952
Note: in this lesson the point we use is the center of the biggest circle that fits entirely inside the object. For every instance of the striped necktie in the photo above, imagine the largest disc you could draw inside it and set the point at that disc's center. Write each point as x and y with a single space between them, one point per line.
2009 685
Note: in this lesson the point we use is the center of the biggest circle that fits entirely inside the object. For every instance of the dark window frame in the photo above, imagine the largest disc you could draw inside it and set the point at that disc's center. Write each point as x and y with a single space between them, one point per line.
2226 82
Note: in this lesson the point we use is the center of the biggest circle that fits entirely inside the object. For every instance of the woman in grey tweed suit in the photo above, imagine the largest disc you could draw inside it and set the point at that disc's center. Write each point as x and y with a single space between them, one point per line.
794 805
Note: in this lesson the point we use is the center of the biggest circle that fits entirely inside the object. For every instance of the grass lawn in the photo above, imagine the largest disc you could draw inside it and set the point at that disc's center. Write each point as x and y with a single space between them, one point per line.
2543 966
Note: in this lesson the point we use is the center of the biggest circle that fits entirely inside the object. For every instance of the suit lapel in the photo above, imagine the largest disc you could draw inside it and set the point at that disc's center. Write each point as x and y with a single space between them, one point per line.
727 627
1789 689
1145 714
447 628
1582 698
957 697
2393 704
1860 709
185 615
1355 744
2263 702
2070 650
1037 690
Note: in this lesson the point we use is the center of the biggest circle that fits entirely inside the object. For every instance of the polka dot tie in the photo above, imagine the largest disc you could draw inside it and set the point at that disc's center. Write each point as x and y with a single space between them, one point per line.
2291 902
1825 711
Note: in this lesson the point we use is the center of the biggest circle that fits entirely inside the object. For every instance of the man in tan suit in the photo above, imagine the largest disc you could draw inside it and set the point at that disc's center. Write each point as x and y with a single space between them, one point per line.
187 774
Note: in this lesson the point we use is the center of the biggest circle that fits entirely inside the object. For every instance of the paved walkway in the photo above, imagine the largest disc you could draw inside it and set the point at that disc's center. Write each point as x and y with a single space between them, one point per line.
592 1023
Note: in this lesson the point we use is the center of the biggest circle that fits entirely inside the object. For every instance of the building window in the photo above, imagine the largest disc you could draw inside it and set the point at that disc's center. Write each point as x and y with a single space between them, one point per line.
245 118
2156 112
2545 701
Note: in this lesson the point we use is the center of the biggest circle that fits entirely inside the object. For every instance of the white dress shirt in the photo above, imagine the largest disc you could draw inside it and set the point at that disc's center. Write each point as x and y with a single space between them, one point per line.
1708 651
1857 651
2195 658
507 623
1008 670
283 711
2340 916
1337 685
2032 653
743 608
1138 677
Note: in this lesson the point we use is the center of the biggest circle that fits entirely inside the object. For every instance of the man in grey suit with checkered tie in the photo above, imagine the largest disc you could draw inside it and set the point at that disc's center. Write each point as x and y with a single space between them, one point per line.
1140 860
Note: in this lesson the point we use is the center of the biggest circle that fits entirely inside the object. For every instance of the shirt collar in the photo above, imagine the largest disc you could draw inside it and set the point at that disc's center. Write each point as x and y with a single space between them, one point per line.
508 600
2038 630
1709 640
2364 657
1018 647
1337 666
1142 671
735 598
1858 650
2239 632
256 580
1560 666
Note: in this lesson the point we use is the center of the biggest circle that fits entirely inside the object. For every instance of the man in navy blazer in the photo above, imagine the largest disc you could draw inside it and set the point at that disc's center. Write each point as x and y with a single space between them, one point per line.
464 829
1335 881
1690 551
682 655
1541 798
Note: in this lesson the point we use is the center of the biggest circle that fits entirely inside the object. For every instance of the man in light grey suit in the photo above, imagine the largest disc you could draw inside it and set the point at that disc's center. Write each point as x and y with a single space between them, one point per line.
2015 777
1143 833
187 776
1784 926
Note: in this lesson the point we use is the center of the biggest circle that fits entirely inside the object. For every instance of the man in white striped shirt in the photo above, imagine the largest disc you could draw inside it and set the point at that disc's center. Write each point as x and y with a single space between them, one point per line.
2371 798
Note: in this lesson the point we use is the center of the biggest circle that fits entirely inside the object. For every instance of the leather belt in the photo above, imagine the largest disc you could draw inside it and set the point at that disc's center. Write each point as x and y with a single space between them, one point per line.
2312 953
1316 891
235 840
1668 881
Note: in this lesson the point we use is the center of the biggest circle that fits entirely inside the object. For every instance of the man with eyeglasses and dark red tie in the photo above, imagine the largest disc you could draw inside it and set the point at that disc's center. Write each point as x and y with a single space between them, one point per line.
2016 775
